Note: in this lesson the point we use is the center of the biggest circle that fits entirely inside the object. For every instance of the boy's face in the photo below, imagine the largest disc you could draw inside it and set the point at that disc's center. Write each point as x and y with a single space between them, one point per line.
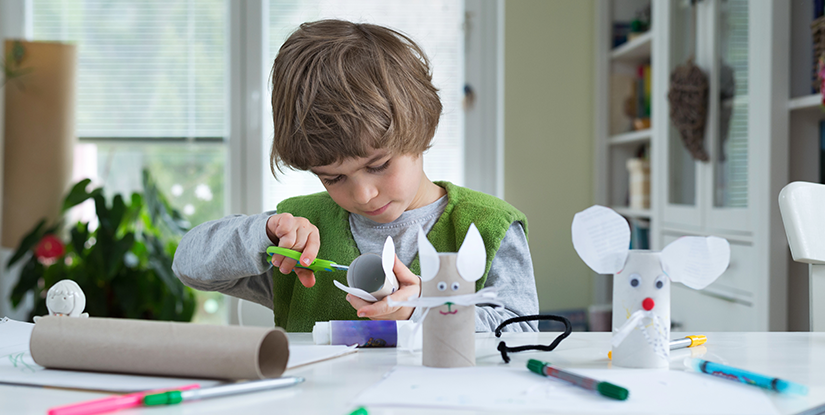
380 186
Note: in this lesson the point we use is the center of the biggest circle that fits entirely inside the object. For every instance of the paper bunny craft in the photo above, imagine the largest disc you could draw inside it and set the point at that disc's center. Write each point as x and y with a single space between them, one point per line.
641 281
65 298
448 296
370 276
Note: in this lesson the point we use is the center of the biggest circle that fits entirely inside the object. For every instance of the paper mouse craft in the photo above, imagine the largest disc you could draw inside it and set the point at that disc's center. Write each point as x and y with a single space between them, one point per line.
65 298
641 281
448 297
370 276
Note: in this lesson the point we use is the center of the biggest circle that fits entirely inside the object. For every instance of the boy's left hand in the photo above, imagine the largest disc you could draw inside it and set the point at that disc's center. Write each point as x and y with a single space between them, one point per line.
409 286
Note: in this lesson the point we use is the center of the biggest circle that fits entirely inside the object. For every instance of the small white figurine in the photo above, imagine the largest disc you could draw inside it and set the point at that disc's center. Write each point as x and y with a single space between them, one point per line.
65 298
641 281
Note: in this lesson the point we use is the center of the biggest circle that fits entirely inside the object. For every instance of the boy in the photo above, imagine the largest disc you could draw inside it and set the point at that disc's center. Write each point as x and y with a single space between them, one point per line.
354 104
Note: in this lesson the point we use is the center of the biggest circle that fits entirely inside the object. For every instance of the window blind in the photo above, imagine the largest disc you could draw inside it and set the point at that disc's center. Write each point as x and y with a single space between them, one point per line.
146 69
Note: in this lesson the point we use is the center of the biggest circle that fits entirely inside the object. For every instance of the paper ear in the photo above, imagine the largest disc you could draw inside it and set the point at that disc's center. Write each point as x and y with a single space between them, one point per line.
388 256
601 237
427 257
696 261
472 257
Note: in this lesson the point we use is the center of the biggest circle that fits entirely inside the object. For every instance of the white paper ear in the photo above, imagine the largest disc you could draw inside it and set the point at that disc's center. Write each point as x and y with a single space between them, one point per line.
388 256
427 257
601 237
696 261
472 257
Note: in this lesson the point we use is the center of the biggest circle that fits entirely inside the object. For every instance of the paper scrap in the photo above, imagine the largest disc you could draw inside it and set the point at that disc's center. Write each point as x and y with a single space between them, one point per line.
601 237
696 261
512 389
356 292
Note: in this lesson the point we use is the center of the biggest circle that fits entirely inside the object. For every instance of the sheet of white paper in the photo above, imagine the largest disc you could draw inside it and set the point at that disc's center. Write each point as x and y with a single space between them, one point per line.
356 292
512 389
17 366
696 261
601 237
300 355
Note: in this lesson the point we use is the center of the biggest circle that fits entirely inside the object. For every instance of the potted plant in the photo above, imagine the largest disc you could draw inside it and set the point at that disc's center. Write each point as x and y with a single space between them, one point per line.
124 265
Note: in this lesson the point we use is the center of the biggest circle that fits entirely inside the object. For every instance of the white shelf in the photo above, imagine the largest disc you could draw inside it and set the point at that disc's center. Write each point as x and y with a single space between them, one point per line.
633 137
634 50
633 213
804 103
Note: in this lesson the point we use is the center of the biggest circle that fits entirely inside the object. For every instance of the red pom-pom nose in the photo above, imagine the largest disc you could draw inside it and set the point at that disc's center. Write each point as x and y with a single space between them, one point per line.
648 304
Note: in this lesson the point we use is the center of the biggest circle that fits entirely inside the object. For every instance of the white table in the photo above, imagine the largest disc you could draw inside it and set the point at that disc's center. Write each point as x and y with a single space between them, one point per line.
330 385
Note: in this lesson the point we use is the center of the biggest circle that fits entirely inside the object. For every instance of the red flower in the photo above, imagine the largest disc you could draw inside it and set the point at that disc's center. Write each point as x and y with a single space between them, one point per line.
50 247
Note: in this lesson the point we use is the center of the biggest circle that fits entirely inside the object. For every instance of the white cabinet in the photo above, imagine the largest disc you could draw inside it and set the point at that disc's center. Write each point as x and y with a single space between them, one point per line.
742 47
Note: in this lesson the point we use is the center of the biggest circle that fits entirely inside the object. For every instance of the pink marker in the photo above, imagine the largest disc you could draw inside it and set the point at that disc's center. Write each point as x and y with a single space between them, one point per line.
112 403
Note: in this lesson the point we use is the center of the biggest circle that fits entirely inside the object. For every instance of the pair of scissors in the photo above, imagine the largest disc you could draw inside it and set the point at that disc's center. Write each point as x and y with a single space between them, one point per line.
315 266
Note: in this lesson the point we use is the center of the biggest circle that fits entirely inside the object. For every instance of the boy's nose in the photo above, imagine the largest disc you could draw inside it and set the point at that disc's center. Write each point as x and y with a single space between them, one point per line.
648 304
363 193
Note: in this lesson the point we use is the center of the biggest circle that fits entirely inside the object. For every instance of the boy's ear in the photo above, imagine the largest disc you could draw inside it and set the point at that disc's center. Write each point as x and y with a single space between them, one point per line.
601 237
696 261
427 257
388 256
472 257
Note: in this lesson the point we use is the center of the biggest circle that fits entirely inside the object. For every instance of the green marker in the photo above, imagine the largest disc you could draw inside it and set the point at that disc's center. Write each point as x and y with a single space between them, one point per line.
315 266
606 389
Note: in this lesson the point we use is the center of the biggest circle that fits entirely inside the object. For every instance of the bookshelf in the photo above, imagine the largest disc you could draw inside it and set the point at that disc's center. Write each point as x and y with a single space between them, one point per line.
732 195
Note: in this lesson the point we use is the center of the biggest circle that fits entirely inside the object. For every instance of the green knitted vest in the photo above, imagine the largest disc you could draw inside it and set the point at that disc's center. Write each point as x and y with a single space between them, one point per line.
297 308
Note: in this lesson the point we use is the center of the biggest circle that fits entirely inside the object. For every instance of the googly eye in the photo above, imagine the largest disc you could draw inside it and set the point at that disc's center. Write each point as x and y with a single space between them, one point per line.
441 286
660 281
635 280
455 286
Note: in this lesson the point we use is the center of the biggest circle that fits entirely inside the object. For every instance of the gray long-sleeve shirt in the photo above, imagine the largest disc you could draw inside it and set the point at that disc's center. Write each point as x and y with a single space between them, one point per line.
229 255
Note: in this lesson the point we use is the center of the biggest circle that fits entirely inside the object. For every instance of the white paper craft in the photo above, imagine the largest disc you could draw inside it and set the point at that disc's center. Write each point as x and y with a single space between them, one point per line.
370 276
641 281
449 298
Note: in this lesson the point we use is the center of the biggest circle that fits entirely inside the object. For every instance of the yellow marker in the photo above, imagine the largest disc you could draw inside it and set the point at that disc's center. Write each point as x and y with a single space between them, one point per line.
689 341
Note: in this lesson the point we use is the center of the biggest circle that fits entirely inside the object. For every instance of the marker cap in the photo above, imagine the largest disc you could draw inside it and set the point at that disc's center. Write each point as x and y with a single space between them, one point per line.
166 398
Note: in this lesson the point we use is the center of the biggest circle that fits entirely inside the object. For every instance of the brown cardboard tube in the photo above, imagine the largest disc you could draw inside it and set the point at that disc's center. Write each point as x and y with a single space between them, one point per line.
159 348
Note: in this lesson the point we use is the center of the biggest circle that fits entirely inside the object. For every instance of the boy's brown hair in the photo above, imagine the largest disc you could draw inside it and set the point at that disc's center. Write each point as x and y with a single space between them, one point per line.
340 89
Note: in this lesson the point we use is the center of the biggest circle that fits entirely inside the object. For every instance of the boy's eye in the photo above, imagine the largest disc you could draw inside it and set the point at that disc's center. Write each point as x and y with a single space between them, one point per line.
379 168
333 180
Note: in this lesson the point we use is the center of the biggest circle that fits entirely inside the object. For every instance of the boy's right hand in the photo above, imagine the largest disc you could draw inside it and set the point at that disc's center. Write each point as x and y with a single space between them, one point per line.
298 234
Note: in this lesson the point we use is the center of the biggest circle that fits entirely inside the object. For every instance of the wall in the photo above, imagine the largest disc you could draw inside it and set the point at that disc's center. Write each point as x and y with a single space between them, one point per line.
548 134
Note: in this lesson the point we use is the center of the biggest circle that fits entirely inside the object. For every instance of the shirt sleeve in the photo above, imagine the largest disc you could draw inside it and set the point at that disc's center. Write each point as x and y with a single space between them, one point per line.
512 274
228 255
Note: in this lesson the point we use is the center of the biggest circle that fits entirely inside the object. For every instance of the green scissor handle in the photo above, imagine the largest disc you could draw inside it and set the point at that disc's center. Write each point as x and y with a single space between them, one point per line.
315 266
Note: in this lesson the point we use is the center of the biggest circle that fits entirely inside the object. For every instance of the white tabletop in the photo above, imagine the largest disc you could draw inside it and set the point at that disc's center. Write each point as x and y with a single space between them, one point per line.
331 385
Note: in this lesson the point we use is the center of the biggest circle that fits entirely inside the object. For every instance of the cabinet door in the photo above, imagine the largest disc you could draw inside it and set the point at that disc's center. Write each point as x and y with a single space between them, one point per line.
729 127
681 196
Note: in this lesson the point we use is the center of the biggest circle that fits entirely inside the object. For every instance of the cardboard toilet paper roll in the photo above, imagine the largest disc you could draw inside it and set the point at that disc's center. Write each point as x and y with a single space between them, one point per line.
159 348
370 276
449 330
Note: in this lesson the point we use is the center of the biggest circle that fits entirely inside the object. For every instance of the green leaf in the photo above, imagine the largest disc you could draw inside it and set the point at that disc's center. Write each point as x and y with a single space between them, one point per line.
28 242
77 195
29 275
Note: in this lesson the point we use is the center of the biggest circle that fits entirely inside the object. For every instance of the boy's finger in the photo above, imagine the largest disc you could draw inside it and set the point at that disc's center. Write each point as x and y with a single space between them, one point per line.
276 260
287 265
376 310
306 276
403 274
310 252
357 303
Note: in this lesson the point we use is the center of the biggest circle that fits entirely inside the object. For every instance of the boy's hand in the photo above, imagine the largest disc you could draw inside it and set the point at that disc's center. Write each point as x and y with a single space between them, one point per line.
409 286
298 234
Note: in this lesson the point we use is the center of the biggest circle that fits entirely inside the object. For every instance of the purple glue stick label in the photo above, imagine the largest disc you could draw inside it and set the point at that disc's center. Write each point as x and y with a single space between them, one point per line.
364 333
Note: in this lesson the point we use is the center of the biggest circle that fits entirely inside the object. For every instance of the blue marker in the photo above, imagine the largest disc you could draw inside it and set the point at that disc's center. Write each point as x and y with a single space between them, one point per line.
732 373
